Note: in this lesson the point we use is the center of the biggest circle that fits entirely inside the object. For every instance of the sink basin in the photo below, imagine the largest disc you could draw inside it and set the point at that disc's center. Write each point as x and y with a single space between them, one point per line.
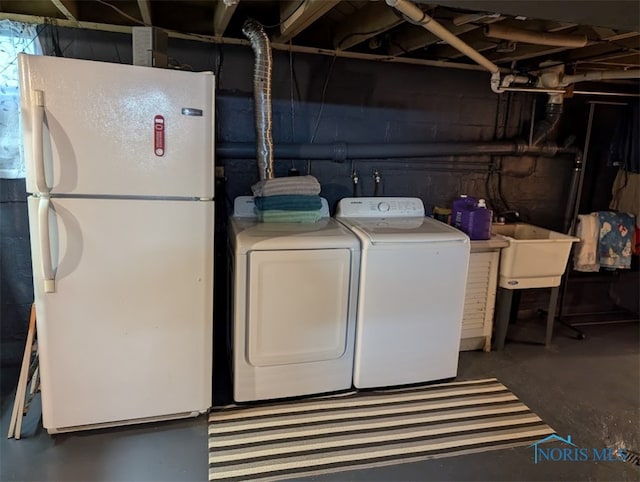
535 258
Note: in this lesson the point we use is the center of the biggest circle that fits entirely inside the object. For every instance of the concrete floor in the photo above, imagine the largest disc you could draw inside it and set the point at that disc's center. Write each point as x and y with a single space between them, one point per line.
587 389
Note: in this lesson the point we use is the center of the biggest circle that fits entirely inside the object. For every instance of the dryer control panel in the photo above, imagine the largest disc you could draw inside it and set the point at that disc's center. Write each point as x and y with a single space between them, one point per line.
377 207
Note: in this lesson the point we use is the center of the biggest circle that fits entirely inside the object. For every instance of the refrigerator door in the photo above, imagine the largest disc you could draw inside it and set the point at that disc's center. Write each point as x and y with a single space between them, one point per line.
126 332
110 129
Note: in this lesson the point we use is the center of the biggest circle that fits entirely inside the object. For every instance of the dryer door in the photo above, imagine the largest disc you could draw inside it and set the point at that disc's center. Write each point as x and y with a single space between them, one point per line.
297 306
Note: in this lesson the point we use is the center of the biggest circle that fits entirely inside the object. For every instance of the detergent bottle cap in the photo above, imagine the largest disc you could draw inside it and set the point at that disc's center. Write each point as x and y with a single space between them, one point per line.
482 203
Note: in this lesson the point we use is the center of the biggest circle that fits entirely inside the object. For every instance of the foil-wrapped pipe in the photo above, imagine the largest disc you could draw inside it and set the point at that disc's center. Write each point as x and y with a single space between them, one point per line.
254 31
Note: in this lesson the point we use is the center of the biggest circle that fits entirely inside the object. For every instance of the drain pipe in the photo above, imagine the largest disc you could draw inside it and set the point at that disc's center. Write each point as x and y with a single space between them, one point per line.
340 152
498 84
601 75
550 122
254 31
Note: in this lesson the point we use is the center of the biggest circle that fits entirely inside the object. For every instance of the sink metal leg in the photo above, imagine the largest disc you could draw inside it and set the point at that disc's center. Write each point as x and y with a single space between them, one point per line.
551 314
503 311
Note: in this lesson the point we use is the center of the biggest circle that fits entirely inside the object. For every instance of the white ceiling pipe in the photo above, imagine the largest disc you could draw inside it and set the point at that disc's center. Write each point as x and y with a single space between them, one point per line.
417 16
601 75
412 12
537 38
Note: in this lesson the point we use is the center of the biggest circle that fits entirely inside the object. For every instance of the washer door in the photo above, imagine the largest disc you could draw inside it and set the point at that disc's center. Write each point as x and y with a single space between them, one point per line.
297 306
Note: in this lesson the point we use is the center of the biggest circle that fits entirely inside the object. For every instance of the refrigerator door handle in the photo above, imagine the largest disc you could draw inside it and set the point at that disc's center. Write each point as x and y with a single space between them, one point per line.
45 246
37 120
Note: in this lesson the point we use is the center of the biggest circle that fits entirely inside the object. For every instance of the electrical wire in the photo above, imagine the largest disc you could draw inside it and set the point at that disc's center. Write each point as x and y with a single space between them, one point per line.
124 14
418 23
288 16
140 22
355 34
322 99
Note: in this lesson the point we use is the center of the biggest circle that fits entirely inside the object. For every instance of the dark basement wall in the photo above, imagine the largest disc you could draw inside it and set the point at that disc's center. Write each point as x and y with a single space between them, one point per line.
364 102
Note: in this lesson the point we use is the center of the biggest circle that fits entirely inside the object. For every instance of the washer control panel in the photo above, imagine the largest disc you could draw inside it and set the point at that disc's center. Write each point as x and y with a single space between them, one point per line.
388 207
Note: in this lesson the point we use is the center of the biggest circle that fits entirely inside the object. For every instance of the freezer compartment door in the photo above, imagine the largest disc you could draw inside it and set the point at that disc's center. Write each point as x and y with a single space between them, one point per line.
127 331
102 128
298 306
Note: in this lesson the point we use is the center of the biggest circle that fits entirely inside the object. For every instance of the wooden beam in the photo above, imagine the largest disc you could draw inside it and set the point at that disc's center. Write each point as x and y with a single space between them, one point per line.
481 43
145 11
296 16
222 16
371 20
605 49
68 8
524 52
415 38
528 51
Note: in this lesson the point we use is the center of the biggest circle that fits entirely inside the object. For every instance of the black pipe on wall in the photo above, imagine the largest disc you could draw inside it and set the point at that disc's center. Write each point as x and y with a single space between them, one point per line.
340 151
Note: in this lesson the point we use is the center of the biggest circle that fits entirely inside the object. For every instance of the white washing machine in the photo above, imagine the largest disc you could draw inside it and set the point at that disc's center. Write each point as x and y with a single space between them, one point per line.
293 305
413 275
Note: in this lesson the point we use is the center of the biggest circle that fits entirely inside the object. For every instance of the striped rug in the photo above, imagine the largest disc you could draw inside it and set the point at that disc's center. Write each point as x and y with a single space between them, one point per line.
288 440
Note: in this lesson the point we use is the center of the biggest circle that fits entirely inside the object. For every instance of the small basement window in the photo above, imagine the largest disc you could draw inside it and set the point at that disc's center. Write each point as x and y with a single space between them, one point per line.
15 37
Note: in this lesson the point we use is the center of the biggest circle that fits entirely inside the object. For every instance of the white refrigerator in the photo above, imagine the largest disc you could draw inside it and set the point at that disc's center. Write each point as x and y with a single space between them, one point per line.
120 176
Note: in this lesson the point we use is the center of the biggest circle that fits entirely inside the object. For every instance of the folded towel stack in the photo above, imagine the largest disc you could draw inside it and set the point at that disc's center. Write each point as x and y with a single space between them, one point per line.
292 199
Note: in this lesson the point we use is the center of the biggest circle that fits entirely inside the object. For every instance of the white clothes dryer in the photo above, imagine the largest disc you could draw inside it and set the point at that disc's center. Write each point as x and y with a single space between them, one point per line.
412 286
294 294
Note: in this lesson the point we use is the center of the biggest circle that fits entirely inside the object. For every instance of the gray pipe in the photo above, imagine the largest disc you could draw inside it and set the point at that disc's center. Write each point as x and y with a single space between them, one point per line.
340 152
546 125
261 95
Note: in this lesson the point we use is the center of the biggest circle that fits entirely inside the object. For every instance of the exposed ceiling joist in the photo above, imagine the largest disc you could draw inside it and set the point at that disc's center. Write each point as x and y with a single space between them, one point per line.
414 38
296 16
524 52
68 8
371 20
236 41
607 13
145 11
222 16
358 28
481 43
604 50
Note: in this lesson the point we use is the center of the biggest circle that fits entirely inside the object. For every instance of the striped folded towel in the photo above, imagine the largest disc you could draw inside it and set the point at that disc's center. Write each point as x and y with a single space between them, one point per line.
289 202
281 216
305 185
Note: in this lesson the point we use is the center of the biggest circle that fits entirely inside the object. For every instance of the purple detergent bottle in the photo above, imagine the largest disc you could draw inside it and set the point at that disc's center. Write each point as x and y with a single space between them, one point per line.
460 209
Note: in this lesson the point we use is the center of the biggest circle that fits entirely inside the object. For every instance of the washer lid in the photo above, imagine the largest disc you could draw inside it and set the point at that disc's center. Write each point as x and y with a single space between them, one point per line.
405 230
251 235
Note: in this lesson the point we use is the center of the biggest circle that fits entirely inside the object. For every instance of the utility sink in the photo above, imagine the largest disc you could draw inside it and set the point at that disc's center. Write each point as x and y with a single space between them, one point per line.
535 258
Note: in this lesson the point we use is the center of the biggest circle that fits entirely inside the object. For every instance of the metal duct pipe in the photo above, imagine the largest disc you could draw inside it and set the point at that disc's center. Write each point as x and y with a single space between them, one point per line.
340 152
261 96
538 38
